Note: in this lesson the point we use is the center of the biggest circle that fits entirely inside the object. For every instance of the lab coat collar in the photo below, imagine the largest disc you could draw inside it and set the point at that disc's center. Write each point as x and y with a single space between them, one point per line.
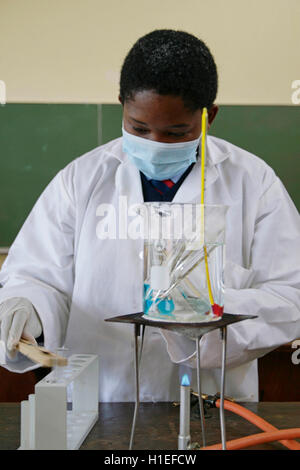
217 150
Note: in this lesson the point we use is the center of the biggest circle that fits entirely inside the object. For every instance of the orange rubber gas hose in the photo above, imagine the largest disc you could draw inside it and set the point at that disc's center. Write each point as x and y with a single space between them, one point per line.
256 439
271 434
254 419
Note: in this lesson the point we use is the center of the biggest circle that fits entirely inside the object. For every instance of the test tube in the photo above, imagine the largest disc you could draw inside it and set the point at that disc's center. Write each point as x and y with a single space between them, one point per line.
58 370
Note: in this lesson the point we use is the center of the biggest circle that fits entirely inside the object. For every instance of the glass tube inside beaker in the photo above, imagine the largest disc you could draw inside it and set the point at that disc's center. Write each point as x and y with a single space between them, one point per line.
184 262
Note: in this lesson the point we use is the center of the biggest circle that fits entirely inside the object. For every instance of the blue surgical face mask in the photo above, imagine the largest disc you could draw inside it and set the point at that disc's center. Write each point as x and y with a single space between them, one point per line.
159 160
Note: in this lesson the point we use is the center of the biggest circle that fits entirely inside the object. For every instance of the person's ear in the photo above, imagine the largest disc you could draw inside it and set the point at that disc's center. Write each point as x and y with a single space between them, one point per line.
120 99
212 114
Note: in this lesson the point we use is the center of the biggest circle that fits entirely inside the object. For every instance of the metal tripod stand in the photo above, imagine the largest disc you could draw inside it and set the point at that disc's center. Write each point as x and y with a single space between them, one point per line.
194 331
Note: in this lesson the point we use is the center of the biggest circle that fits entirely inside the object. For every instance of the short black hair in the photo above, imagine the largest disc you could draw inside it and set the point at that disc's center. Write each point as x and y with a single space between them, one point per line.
171 63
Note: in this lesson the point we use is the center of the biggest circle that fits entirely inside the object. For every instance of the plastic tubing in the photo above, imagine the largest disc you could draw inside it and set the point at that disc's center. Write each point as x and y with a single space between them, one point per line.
271 434
256 439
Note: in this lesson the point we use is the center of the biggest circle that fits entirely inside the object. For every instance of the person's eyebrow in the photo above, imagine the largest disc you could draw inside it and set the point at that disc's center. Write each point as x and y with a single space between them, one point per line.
174 126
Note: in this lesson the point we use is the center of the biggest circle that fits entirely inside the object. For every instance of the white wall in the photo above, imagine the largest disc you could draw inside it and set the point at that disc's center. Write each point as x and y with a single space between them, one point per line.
72 50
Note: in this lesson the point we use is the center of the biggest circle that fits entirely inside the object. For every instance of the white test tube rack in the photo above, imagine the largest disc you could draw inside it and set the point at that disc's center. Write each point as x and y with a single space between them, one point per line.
46 421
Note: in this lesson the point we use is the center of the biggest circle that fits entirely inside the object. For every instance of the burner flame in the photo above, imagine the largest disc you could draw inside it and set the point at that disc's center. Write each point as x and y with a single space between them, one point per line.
185 381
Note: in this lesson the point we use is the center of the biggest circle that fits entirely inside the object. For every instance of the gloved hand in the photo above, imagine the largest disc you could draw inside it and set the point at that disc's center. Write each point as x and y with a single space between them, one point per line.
18 318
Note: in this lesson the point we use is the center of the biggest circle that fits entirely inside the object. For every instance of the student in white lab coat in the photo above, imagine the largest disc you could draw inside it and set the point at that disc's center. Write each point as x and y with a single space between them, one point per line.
62 279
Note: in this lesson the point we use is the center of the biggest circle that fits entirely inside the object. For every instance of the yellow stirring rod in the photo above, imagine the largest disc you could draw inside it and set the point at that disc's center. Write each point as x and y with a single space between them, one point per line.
203 145
203 150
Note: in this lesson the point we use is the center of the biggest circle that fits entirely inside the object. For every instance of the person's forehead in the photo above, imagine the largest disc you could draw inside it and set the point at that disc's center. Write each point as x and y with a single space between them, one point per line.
148 105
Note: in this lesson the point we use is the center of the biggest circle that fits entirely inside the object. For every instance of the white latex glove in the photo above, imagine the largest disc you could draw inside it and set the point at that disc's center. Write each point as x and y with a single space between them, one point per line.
18 318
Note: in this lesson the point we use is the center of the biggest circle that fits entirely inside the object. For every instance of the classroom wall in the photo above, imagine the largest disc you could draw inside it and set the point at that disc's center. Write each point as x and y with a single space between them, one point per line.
70 51
37 140
60 62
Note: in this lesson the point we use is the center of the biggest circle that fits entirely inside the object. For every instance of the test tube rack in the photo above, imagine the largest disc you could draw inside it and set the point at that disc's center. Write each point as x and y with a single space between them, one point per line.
48 421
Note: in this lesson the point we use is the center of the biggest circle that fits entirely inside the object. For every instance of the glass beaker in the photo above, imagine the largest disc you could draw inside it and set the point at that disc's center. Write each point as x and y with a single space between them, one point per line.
184 248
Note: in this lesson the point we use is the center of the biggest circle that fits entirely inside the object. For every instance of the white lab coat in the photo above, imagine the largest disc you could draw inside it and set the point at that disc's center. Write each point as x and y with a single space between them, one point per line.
75 280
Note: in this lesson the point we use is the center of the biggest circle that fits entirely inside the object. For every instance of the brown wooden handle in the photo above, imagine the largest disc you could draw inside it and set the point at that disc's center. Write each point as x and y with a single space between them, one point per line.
40 355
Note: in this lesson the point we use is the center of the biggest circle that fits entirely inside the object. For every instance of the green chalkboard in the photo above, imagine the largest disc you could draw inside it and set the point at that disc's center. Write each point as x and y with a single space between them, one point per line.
36 141
111 122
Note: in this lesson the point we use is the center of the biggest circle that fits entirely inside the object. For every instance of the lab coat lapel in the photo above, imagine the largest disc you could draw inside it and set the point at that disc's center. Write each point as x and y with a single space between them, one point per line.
128 182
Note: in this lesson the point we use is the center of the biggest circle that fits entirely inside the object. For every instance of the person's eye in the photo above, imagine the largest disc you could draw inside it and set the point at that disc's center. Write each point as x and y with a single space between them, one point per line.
177 134
140 130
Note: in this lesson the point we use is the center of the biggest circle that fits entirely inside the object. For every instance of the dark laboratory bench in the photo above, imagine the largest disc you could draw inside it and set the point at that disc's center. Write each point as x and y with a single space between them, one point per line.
158 425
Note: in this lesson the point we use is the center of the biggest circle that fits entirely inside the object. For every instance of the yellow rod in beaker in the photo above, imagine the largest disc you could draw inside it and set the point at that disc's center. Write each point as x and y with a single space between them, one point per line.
203 145
203 150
